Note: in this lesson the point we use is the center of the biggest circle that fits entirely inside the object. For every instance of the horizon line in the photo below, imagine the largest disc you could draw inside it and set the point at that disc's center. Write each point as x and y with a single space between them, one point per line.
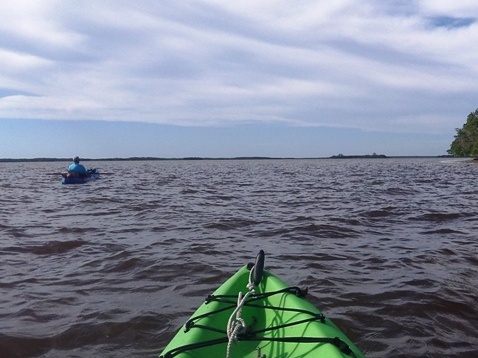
340 156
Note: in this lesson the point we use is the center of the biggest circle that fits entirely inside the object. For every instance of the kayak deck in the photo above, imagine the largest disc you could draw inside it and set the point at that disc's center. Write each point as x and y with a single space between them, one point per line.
279 322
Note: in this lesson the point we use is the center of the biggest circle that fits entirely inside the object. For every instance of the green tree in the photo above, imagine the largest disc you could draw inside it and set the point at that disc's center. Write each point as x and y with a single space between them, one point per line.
465 143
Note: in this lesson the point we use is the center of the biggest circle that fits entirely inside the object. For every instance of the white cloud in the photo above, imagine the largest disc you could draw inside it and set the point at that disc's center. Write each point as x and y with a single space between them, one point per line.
207 62
461 8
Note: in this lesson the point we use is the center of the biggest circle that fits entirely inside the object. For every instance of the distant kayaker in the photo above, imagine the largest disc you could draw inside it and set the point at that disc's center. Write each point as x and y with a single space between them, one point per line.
77 169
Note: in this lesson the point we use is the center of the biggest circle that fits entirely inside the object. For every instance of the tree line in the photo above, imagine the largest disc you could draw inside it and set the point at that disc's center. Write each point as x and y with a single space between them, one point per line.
465 143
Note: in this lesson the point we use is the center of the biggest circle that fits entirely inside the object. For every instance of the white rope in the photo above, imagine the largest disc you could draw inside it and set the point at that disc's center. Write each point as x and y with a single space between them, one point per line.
236 324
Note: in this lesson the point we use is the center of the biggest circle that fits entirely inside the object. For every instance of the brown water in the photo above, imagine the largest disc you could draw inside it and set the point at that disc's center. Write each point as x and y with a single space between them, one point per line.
112 268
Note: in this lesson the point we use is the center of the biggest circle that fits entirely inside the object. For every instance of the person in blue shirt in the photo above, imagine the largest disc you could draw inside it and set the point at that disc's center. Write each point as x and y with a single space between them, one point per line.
77 169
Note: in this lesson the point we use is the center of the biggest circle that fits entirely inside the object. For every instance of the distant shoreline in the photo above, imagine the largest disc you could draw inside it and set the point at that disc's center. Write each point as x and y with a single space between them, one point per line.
339 157
364 156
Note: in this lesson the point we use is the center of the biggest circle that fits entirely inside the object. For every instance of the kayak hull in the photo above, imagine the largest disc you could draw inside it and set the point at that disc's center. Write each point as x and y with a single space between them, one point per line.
279 323
93 174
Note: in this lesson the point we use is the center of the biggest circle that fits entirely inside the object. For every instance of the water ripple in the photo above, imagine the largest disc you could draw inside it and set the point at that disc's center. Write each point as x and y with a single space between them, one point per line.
113 268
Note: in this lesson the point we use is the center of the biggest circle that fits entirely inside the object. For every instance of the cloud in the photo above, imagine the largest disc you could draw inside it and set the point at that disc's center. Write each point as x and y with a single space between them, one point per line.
462 8
348 63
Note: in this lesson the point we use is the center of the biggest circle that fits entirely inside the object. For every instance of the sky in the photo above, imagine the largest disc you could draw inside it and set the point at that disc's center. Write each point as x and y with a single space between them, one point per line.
215 78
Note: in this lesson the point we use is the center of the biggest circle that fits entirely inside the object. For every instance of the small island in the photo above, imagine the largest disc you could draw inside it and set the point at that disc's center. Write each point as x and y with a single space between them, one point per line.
365 156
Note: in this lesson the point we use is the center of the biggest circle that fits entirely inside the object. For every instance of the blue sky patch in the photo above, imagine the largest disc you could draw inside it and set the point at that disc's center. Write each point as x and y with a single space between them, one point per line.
452 22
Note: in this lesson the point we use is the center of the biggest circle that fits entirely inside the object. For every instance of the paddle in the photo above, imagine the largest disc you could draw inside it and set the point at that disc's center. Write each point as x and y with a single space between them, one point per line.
57 174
